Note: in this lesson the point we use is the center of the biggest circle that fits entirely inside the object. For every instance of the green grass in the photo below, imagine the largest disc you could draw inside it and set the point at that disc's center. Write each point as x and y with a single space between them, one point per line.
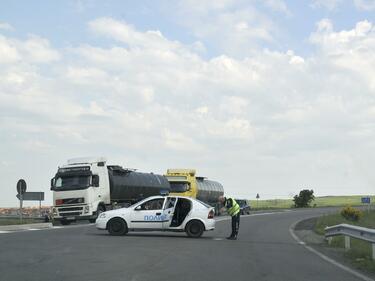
324 201
5 221
360 252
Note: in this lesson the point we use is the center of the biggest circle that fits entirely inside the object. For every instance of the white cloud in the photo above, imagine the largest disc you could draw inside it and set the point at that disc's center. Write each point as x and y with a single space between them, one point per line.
241 24
327 4
8 53
156 103
5 26
366 5
33 50
278 5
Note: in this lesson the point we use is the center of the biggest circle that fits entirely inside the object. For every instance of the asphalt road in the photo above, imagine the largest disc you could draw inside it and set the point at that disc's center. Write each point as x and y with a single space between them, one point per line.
265 250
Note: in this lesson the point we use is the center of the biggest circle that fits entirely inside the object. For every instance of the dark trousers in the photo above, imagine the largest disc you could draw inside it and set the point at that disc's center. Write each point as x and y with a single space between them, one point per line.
235 224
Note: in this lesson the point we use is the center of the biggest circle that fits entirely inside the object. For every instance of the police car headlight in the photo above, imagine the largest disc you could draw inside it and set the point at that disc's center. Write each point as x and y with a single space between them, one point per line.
102 216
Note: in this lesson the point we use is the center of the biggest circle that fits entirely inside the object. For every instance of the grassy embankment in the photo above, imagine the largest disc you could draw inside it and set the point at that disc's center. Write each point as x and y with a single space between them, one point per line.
13 221
324 201
360 252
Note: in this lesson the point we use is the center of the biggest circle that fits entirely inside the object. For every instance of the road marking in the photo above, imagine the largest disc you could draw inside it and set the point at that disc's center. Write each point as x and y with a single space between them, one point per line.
252 215
32 229
4 231
326 258
218 239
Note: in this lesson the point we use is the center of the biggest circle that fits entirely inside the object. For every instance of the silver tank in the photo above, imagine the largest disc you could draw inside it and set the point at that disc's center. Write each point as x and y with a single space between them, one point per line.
209 191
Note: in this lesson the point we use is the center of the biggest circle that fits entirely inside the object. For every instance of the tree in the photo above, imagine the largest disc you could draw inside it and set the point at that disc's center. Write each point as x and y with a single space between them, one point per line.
304 198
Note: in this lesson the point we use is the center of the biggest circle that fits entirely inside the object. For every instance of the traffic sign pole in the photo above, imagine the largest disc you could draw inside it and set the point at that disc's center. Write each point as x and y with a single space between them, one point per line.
21 201
21 189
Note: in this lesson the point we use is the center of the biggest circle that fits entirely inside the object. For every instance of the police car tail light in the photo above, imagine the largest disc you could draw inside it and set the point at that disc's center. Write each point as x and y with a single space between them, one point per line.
211 214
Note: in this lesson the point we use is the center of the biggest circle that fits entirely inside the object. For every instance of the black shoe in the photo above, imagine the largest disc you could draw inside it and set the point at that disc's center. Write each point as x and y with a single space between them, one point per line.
232 238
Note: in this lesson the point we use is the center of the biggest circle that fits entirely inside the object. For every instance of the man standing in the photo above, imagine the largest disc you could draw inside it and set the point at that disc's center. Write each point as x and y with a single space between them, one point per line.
233 210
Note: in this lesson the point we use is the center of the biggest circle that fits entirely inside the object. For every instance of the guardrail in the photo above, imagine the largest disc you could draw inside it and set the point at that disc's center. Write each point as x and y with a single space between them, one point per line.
363 233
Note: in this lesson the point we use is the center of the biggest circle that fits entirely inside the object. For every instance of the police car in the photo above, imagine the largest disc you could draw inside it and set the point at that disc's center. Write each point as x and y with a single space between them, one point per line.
166 213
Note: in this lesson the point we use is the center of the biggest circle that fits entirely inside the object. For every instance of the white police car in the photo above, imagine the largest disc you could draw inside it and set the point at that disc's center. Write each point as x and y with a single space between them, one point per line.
166 213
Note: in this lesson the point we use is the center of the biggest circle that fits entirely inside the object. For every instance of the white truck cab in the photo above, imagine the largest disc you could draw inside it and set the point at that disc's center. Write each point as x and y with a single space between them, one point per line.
81 189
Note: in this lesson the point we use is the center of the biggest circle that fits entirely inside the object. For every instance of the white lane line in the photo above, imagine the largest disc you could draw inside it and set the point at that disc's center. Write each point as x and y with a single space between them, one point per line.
32 229
4 231
324 257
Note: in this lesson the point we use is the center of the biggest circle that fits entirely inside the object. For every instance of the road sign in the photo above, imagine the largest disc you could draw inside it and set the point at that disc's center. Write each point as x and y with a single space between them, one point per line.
257 196
366 200
21 186
32 196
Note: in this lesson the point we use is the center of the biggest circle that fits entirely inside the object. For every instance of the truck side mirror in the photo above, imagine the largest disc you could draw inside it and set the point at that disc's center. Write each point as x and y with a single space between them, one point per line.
52 183
95 180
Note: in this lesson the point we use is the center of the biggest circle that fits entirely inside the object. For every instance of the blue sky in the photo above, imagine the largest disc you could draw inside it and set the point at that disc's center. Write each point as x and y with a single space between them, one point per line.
64 23
264 96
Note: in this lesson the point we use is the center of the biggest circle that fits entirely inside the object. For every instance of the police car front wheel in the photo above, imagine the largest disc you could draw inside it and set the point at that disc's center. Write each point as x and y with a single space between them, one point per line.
117 226
194 229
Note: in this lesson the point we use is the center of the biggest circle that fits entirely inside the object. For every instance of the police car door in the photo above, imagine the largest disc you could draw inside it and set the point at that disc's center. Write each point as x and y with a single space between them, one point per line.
168 211
148 215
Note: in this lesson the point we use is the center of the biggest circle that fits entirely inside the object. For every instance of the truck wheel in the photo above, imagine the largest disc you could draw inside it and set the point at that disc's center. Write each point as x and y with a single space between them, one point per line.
117 227
194 229
100 210
65 222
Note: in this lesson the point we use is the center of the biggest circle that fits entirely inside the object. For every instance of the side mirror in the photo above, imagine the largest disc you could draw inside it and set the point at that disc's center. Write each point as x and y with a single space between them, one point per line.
95 180
52 183
138 208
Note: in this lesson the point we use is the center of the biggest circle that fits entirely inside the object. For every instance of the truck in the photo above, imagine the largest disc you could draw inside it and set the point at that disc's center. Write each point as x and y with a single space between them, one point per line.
85 187
184 182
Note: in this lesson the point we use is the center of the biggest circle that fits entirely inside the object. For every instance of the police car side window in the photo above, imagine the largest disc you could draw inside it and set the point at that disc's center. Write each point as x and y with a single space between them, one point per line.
154 204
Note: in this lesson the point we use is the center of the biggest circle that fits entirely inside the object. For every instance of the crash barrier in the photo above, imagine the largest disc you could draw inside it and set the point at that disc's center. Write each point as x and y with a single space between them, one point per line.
363 233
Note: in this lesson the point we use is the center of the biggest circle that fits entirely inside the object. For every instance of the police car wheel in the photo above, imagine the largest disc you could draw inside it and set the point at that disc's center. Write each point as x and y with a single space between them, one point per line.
117 227
194 229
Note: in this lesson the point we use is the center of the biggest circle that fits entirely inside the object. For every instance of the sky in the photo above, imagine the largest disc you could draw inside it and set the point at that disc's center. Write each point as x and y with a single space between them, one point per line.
266 97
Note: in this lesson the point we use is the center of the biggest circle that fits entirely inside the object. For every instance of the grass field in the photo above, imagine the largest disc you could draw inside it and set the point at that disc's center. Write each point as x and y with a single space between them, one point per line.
324 201
360 252
12 221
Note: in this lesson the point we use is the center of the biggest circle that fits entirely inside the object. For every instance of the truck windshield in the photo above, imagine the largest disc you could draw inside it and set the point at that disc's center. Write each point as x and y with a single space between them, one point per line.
72 182
179 186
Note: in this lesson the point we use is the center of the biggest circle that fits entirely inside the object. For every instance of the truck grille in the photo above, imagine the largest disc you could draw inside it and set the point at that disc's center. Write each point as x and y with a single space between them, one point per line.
70 211
72 201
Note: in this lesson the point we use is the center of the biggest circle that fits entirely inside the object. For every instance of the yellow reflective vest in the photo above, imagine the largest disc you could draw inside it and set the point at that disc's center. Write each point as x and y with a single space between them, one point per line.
235 209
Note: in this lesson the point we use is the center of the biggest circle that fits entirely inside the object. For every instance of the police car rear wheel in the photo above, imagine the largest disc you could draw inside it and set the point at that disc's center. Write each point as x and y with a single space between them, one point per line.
194 229
117 227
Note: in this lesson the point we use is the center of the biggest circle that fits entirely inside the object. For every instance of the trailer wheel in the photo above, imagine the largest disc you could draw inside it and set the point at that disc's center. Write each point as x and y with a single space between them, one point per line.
117 227
194 229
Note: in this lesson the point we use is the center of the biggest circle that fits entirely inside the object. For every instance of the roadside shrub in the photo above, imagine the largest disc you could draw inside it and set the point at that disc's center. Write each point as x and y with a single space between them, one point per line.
351 213
304 198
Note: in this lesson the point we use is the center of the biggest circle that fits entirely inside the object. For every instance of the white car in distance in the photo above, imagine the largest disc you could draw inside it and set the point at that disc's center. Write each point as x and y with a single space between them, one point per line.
165 213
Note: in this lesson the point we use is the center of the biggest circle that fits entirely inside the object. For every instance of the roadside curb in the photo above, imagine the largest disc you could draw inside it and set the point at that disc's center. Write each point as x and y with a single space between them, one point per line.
26 226
323 256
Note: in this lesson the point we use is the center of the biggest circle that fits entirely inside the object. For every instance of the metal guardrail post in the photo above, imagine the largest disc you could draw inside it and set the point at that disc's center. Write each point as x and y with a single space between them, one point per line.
352 231
347 243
